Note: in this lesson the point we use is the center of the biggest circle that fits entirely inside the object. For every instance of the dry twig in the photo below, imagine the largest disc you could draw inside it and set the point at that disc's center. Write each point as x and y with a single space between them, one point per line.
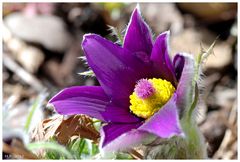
23 74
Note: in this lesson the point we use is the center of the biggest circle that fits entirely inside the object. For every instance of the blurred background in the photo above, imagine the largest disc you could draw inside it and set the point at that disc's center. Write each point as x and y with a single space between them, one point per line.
41 50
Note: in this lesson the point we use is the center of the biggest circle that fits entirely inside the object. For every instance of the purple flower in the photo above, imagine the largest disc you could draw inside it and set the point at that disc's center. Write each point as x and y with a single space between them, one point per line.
142 91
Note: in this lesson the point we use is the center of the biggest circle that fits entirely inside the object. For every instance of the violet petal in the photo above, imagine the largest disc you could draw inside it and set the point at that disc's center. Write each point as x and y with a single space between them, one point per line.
185 82
92 101
138 37
165 123
112 131
116 68
161 59
131 139
114 113
178 63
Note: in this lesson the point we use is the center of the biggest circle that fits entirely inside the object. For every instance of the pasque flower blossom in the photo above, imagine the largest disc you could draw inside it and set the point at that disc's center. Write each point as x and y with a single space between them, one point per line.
142 90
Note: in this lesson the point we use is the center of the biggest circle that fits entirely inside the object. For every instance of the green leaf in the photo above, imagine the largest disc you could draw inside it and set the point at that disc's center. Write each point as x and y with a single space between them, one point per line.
82 148
36 105
201 57
195 101
50 146
124 156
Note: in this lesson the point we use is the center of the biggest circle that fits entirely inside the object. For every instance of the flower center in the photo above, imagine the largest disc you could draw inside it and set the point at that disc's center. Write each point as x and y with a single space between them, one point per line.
149 96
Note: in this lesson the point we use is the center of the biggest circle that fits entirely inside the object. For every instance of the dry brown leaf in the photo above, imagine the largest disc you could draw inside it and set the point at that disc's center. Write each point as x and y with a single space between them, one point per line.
64 129
18 150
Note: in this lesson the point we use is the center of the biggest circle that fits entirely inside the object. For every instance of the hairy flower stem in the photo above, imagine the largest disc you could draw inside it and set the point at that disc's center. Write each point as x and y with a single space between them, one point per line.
193 141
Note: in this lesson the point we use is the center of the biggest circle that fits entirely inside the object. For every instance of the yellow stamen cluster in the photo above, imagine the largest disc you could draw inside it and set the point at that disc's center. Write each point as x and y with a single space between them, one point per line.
145 108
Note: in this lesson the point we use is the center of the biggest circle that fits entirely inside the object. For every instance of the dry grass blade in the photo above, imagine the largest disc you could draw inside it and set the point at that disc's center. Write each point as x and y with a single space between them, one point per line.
228 147
46 129
64 129
135 154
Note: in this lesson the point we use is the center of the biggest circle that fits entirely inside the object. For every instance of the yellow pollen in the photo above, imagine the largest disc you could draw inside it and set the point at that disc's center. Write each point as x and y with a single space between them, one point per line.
145 108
